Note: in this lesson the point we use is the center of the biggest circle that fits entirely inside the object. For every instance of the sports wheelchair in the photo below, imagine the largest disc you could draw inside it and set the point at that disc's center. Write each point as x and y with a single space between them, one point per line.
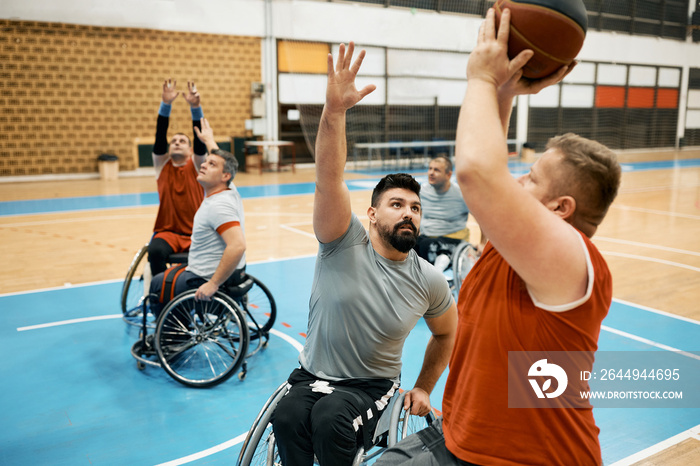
463 259
395 424
203 343
136 283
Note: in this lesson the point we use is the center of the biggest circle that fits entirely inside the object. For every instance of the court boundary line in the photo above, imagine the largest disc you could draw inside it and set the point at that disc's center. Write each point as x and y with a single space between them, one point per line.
649 342
651 259
657 212
236 440
114 280
647 245
693 432
657 311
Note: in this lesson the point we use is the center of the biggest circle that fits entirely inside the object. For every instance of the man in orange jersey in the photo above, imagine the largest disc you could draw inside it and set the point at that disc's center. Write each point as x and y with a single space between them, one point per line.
176 167
539 286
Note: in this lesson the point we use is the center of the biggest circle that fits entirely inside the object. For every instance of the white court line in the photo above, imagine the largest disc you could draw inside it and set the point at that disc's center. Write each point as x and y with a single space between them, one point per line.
651 259
64 287
667 187
296 230
647 245
68 322
114 280
649 342
207 452
75 220
693 432
658 212
656 311
298 346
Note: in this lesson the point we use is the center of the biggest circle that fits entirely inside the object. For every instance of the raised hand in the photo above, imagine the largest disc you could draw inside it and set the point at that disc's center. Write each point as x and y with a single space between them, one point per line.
192 97
341 93
489 61
206 135
169 91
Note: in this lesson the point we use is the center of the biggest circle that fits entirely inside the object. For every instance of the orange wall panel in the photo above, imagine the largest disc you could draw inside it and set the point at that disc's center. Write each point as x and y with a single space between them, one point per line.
667 98
610 97
640 97
302 57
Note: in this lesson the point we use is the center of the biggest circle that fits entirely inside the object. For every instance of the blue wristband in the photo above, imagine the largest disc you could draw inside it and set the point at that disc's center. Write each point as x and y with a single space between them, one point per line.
164 109
197 113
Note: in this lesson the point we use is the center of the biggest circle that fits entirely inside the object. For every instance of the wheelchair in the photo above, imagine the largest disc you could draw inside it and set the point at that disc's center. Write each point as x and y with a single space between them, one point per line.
464 257
136 282
203 343
395 424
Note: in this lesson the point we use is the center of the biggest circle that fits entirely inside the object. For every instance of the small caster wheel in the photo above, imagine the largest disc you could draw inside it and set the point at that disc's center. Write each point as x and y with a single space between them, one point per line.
264 343
140 366
241 375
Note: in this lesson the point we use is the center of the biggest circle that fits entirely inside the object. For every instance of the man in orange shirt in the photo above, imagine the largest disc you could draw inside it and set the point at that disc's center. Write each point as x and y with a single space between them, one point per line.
539 286
177 165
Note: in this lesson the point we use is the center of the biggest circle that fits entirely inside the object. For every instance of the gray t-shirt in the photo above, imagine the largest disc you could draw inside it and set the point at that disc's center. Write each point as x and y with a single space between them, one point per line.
363 306
208 246
443 213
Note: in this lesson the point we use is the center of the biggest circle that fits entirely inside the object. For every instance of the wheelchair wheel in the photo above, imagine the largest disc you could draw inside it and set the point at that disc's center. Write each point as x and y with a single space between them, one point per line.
402 424
132 289
463 259
201 343
260 307
259 447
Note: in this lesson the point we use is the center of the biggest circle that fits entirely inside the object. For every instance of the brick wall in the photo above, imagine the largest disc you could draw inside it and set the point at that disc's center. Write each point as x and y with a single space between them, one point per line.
69 93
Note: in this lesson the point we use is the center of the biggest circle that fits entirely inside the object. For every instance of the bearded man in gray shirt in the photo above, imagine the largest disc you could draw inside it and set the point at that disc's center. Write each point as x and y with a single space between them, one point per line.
369 291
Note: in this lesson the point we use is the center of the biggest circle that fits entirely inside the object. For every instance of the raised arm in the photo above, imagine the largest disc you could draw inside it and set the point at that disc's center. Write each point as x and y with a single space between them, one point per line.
523 223
193 98
160 147
332 211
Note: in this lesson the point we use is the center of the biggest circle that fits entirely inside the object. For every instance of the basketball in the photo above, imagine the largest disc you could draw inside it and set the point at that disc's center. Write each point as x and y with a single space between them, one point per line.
553 29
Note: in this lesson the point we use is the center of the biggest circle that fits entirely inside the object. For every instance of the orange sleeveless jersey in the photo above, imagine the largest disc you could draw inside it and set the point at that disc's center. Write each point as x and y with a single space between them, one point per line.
180 196
497 315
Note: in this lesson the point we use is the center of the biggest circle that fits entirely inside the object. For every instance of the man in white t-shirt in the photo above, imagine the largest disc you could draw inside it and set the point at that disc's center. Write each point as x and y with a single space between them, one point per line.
217 254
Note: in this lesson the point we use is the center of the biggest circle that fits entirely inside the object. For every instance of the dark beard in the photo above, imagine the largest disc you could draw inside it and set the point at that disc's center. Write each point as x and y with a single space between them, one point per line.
401 241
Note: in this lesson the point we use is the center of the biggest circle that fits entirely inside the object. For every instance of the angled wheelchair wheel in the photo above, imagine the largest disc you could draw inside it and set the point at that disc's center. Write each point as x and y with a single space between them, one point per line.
463 259
402 423
260 309
201 343
132 289
259 447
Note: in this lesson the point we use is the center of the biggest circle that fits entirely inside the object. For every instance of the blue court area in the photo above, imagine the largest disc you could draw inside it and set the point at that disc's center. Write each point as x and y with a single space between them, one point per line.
72 393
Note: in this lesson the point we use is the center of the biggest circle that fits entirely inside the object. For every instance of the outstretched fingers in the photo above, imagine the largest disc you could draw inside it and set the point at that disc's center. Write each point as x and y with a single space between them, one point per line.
348 55
503 27
341 58
355 68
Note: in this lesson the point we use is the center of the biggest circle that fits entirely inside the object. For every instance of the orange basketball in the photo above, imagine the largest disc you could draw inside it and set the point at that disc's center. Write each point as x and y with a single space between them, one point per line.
553 29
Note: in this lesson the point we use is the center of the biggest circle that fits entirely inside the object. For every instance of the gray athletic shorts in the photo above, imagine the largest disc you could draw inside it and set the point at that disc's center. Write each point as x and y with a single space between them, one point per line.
425 448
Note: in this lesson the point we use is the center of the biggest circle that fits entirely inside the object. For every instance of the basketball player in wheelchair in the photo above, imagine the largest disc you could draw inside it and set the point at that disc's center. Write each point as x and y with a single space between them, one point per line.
370 289
444 238
217 254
